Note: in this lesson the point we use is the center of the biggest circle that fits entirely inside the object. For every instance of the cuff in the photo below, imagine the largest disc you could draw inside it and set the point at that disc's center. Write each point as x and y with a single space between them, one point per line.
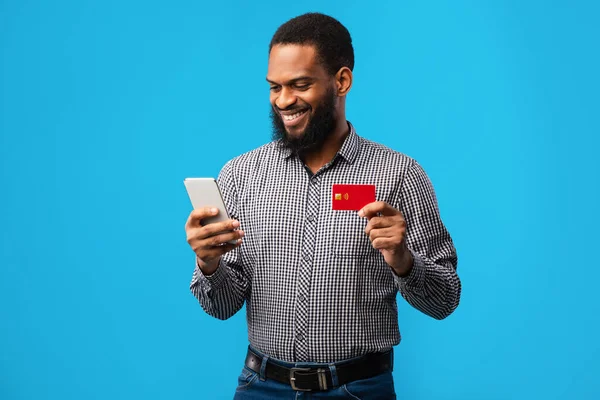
415 280
214 281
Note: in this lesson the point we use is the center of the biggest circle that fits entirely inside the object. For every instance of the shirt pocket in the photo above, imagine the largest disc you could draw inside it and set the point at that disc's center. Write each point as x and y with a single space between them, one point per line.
349 237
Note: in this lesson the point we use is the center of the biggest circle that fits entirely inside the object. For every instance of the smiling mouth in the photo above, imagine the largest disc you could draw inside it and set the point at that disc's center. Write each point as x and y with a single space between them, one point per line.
293 117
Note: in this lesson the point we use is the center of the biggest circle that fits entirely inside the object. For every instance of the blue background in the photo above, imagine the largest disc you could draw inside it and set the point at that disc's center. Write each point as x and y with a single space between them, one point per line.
106 106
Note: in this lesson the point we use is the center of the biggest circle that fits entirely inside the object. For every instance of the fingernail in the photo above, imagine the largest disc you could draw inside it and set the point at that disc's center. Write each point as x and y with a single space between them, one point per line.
242 233
214 210
361 213
235 224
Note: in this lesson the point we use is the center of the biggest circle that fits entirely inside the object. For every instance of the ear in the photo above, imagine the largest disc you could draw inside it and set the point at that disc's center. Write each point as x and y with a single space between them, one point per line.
343 81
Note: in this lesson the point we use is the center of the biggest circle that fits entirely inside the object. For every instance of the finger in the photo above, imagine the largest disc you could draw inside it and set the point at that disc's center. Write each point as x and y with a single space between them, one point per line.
372 209
221 239
216 252
196 235
199 214
193 234
385 243
390 232
209 247
378 223
218 227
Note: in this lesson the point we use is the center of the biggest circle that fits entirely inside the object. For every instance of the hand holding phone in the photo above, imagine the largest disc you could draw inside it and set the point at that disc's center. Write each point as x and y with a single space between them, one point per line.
210 232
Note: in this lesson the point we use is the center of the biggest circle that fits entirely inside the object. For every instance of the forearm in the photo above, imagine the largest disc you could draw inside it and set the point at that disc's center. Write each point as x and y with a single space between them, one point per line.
432 285
220 294
432 288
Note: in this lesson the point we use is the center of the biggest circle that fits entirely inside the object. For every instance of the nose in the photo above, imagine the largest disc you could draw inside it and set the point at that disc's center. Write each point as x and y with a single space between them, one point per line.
285 99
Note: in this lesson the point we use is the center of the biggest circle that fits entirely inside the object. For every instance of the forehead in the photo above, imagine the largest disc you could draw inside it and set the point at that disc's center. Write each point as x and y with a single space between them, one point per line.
289 61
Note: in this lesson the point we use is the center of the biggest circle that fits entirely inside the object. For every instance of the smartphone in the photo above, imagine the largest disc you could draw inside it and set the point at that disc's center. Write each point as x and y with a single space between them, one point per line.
205 192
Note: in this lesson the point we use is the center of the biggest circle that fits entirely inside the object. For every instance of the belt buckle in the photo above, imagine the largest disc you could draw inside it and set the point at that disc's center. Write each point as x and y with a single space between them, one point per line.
320 373
293 378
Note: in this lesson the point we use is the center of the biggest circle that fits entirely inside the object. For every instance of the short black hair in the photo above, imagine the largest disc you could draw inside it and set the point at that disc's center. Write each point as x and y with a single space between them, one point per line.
331 39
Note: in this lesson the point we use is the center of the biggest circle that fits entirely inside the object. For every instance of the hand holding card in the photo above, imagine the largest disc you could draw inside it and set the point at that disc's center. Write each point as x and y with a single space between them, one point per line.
386 230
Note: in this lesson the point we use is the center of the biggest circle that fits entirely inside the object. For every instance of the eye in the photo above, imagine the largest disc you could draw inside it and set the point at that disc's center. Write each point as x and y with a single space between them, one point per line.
275 88
302 87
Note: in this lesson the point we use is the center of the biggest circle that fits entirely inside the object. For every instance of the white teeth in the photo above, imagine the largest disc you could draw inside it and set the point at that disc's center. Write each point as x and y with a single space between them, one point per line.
292 117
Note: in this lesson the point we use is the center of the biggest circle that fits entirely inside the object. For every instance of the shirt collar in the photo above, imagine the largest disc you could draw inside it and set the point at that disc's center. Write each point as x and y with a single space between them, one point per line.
351 146
348 151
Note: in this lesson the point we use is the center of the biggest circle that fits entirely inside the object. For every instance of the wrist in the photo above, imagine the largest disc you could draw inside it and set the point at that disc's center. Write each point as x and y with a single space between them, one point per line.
405 263
208 267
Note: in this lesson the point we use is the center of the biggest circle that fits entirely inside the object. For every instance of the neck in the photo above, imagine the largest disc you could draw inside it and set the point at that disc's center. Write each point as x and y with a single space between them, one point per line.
316 159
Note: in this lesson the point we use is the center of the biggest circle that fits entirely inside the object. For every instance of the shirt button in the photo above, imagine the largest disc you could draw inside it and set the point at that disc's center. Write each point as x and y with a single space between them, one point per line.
311 217
300 337
306 257
302 298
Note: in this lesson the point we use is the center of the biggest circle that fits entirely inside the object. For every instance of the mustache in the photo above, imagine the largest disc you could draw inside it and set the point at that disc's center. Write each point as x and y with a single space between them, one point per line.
291 108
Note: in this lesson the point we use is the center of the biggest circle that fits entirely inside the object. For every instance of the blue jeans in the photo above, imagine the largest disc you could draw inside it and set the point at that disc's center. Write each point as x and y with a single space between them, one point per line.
254 386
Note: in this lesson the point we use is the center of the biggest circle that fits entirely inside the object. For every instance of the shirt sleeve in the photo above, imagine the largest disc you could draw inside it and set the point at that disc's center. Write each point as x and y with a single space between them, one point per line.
433 285
223 293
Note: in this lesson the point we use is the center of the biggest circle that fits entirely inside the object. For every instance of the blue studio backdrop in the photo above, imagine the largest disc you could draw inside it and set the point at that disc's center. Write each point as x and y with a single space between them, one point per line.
105 107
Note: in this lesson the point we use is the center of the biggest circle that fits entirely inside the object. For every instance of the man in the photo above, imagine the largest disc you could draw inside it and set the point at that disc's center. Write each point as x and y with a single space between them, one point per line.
320 284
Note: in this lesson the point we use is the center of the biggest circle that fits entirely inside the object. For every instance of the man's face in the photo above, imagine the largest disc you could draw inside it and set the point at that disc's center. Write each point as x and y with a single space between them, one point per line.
302 97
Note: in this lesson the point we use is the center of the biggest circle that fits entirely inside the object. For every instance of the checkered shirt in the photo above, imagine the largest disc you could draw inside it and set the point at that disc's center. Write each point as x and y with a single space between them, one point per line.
315 289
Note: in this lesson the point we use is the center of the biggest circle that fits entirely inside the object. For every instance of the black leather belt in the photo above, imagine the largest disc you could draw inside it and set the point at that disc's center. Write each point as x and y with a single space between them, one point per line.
319 378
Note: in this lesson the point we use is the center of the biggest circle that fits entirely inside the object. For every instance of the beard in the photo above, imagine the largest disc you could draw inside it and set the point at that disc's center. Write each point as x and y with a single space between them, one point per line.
319 128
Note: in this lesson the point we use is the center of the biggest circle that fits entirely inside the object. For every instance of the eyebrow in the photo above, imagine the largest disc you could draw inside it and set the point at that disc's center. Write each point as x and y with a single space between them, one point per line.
294 80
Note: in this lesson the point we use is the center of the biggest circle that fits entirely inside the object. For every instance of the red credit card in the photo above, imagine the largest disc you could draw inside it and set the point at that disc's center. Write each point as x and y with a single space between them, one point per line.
352 197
